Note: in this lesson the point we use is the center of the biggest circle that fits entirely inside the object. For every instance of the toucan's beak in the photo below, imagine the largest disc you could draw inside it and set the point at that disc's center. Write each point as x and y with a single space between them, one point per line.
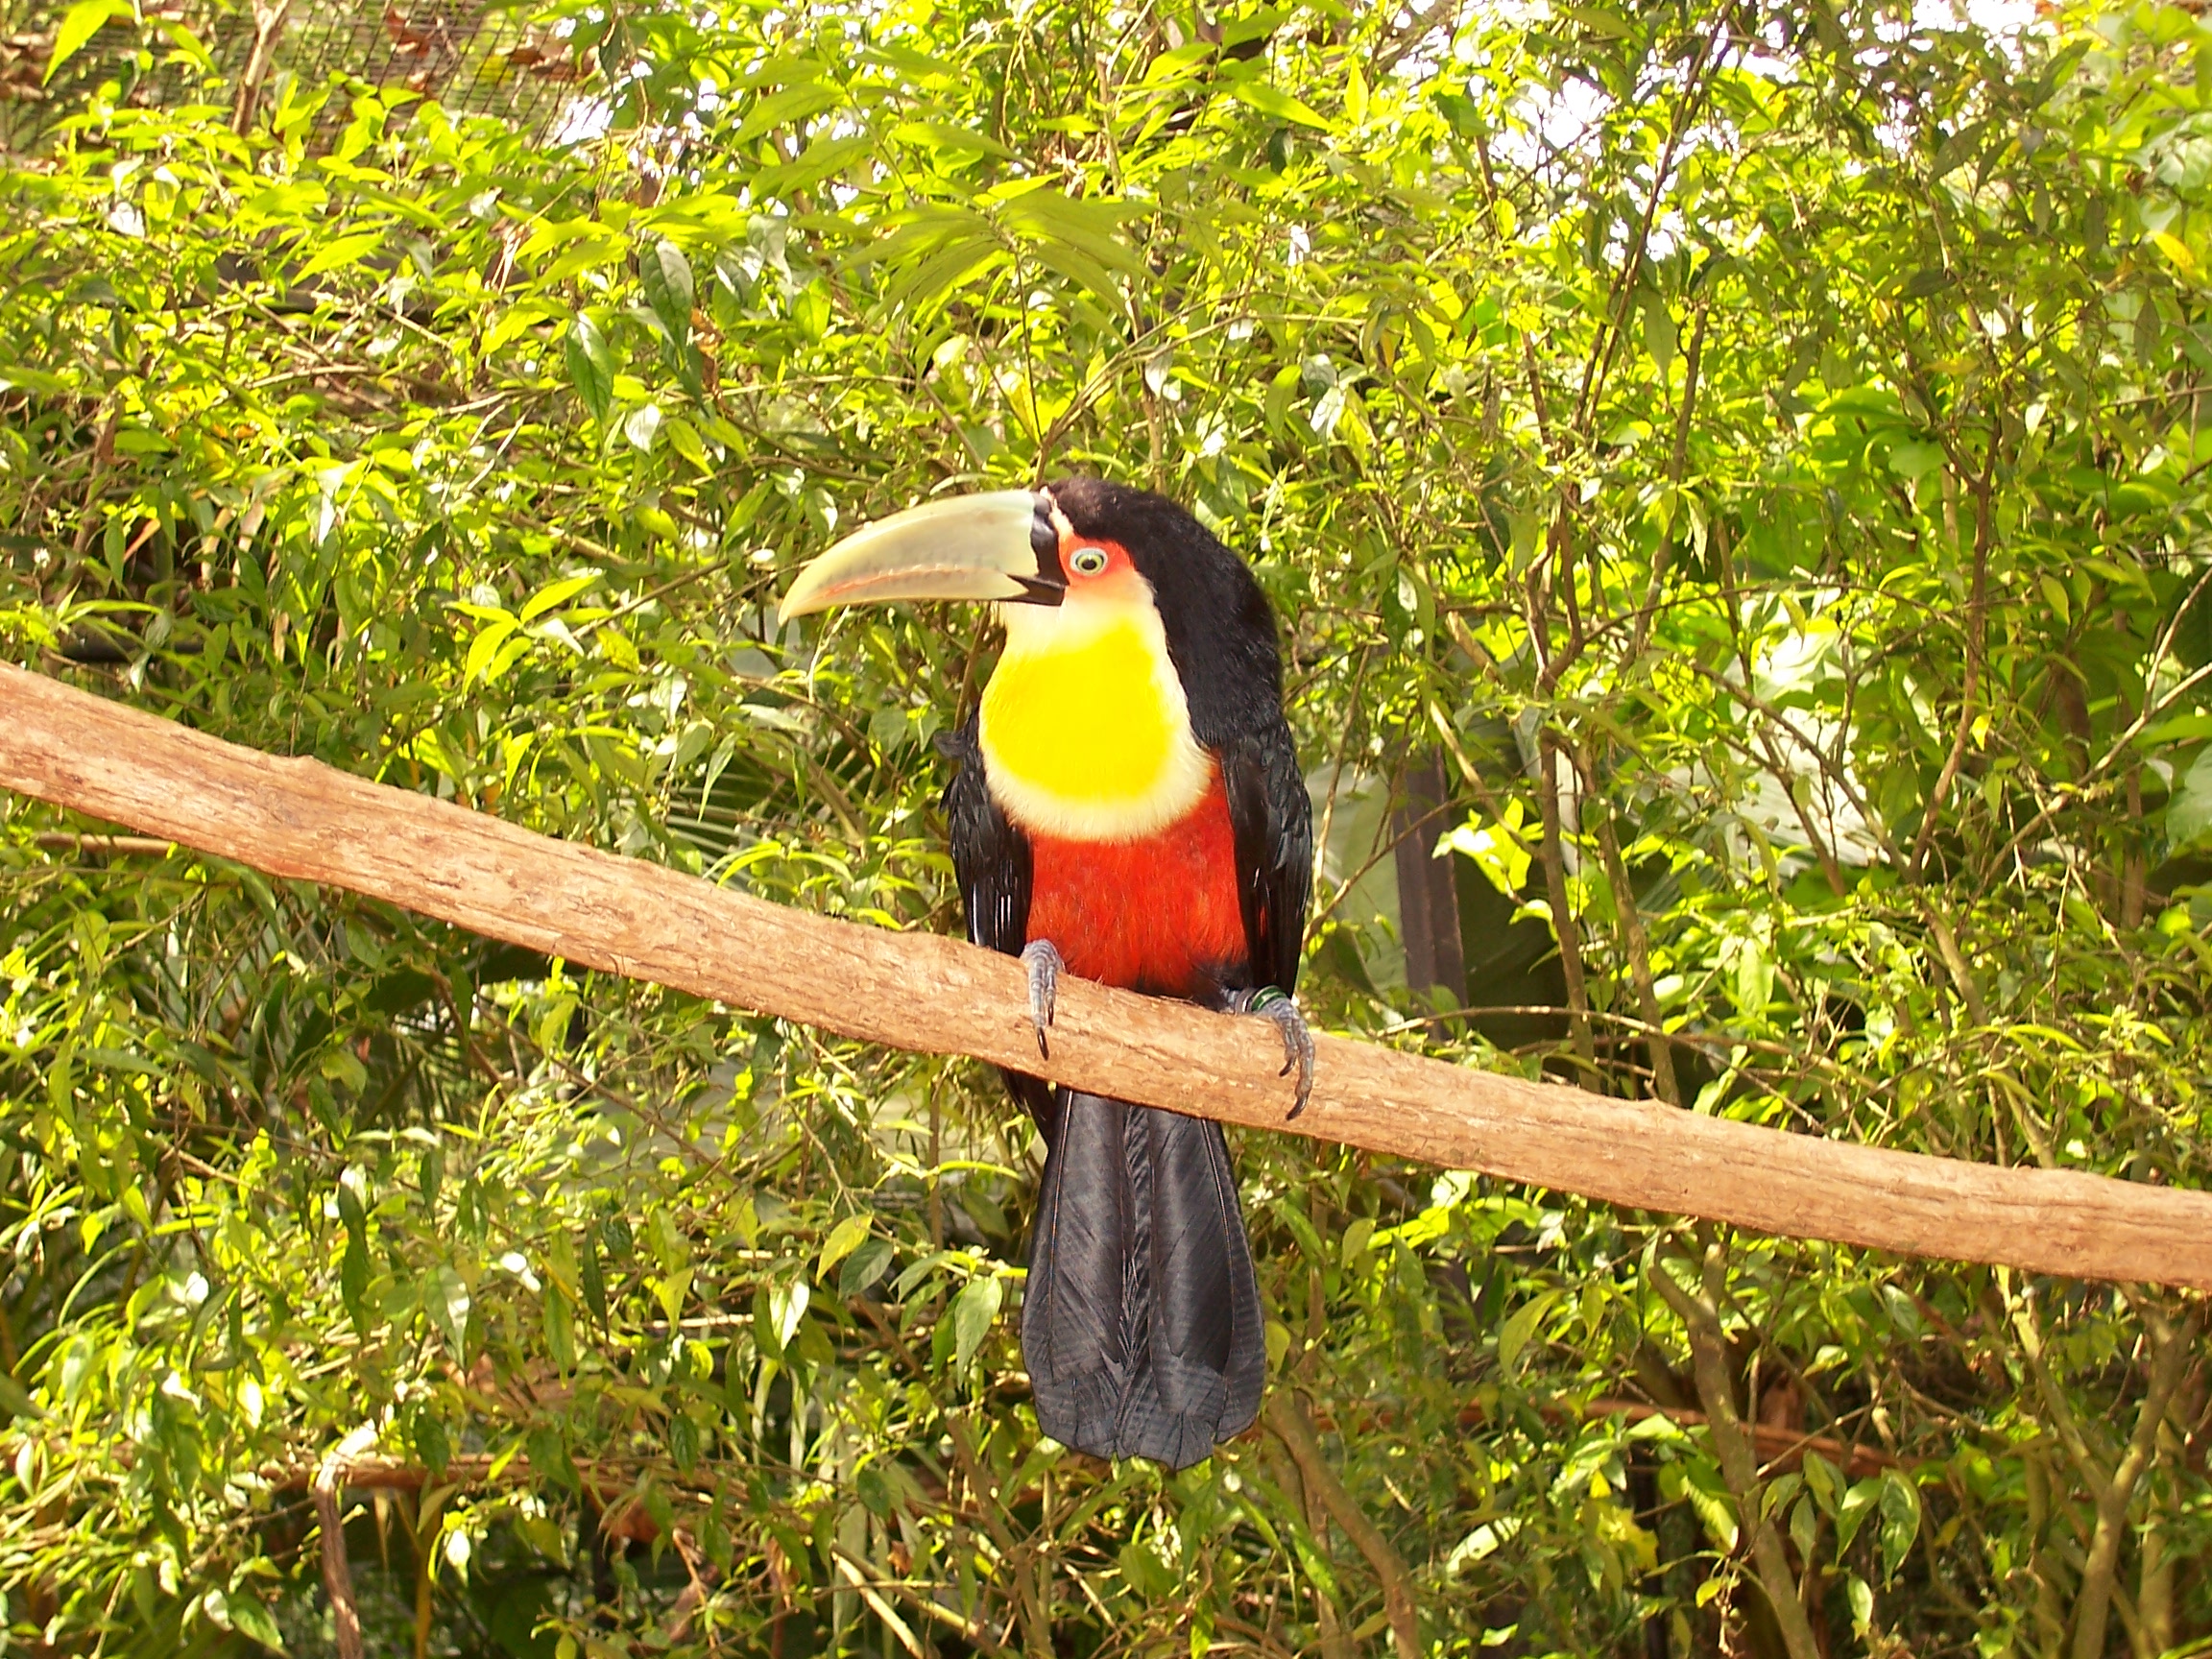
1002 546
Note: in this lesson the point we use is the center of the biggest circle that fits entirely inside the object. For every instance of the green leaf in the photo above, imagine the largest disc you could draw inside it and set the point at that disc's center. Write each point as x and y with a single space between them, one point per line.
338 254
249 1617
1498 849
1913 462
790 105
555 594
1858 1503
1709 1499
683 1442
1513 1336
353 1282
864 1266
642 425
588 1272
1083 272
1089 226
786 1306
590 366
955 263
826 155
665 275
351 1211
432 1444
683 437
1598 20
1858 1595
1301 1226
445 1300
2189 814
15 1400
844 1239
78 24
943 137
1272 101
1900 1506
1804 1525
671 1290
1353 1244
560 1329
973 1311
485 647
19 377
548 1453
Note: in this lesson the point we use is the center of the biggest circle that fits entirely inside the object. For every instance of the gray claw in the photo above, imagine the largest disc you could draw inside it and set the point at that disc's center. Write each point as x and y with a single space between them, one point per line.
1281 1012
1044 963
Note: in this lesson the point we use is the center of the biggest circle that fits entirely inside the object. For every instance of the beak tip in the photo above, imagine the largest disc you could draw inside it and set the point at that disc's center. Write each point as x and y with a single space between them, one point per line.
803 598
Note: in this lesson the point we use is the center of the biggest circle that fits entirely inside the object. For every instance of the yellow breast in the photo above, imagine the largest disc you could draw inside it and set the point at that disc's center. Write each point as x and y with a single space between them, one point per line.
1085 731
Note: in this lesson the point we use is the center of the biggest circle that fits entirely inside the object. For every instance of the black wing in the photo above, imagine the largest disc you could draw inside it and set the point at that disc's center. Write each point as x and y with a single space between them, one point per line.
990 862
990 855
1272 822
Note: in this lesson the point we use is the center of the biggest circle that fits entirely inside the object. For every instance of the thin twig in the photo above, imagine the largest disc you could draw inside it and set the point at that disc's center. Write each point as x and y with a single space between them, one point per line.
113 846
1287 1417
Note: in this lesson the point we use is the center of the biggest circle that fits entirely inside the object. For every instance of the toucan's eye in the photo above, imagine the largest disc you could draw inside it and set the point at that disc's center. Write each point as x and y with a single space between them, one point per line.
1087 561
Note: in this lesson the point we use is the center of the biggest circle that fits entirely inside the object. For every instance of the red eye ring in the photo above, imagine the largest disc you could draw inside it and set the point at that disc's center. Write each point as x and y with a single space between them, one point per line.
1087 561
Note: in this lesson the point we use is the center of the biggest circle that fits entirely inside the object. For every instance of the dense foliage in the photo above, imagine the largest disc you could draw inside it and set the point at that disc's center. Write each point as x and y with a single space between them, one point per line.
1751 458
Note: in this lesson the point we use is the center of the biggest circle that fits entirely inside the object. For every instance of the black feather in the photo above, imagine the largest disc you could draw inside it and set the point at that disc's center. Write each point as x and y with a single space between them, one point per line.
1141 1325
990 862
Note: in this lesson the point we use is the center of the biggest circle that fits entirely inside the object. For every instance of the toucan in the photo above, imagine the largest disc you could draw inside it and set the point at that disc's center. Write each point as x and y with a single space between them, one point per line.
1125 806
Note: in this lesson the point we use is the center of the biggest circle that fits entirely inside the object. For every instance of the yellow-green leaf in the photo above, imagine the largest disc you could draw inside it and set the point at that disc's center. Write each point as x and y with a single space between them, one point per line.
1272 101
557 593
337 254
973 1311
484 647
1513 1337
2177 250
844 1239
78 24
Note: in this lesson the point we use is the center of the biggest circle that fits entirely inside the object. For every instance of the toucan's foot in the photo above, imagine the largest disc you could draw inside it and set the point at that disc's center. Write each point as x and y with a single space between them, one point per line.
1044 963
1281 1012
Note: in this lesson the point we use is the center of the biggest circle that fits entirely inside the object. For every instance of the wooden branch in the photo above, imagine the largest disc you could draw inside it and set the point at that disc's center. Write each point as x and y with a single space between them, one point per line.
304 820
357 1465
337 1571
1781 1449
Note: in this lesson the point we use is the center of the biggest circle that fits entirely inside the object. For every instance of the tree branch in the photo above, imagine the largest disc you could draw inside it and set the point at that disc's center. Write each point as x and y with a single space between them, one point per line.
1781 1449
1287 1417
309 822
2170 1348
1699 1311
337 1571
120 846
1566 927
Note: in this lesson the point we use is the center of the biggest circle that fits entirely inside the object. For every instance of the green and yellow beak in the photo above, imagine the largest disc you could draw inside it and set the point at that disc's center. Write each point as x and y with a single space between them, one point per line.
1002 546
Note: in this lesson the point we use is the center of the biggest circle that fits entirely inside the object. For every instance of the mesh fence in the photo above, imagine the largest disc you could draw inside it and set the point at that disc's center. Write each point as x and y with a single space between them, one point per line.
472 55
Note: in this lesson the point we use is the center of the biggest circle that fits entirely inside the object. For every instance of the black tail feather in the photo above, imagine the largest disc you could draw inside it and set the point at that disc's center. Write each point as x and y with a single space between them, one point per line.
1141 1324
